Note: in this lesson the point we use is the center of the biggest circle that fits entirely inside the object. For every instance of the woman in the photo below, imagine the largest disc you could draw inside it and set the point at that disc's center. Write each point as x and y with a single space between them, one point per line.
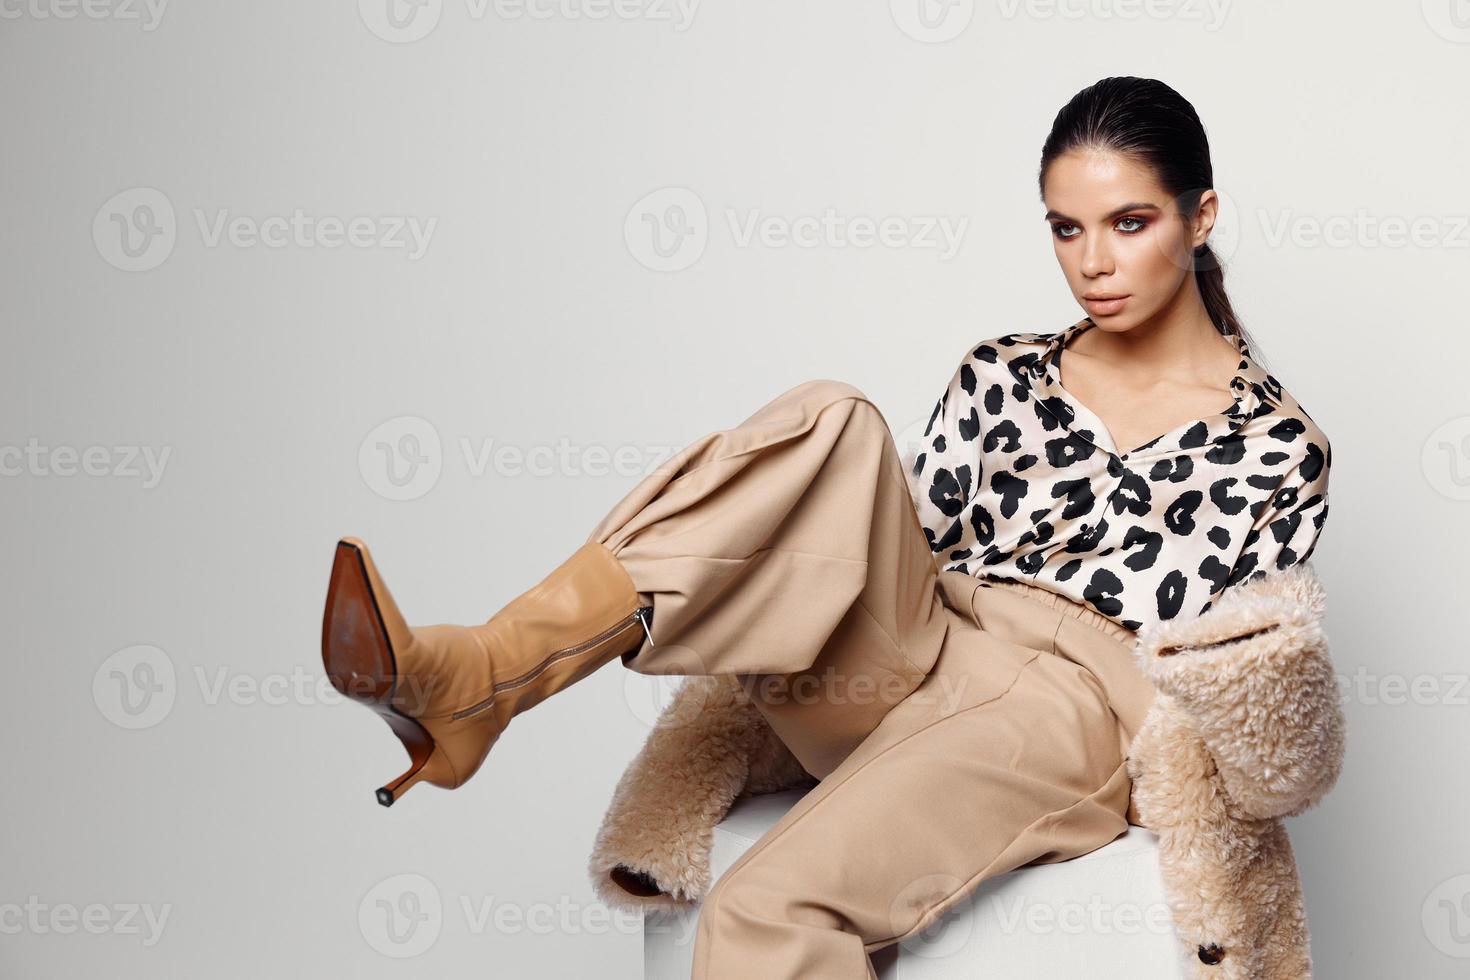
944 640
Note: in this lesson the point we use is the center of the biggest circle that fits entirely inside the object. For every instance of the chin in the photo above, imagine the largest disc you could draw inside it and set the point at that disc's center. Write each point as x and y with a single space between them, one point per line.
1110 321
1125 319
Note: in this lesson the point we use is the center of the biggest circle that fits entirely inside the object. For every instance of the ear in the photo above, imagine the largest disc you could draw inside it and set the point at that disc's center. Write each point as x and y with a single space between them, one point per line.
1205 218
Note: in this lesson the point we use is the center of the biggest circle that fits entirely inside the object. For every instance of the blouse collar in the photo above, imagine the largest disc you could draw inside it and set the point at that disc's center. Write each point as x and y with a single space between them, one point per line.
1254 390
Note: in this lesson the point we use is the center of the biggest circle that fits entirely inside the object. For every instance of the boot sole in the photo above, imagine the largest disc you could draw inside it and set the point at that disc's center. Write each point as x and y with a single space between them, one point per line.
357 652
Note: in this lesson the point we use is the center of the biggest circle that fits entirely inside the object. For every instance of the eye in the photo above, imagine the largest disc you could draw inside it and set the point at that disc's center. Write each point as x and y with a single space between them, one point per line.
1141 224
1056 230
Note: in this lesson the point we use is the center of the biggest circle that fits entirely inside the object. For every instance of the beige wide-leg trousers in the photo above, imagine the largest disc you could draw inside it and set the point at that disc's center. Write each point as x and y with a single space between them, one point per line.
959 728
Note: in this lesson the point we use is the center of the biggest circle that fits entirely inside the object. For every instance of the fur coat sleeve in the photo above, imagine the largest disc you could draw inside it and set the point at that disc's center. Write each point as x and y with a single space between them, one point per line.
1248 730
1254 677
709 747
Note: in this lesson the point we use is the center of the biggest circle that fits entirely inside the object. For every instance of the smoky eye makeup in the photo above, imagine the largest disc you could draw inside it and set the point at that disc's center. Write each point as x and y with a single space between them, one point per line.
1134 224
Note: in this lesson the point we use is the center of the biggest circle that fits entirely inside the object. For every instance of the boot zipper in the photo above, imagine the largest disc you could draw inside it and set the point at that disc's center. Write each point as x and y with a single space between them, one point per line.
639 615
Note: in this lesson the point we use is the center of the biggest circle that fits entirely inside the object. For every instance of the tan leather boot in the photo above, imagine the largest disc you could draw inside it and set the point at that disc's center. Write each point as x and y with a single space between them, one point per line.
449 691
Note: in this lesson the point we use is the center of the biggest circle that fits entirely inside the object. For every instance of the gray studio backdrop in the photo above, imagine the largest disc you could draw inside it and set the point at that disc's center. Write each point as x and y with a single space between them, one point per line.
451 275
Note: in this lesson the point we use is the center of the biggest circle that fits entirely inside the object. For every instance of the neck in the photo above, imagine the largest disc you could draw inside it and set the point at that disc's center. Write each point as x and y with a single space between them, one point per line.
1180 340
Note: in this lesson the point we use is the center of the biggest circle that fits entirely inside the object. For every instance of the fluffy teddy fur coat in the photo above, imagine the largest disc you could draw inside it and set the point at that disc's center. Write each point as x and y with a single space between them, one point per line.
1246 731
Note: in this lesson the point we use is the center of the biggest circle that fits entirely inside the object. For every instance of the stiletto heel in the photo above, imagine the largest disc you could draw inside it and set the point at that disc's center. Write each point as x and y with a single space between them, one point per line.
447 691
428 763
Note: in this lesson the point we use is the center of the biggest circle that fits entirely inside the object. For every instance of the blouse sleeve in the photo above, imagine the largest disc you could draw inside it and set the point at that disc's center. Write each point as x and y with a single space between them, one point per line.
1286 530
943 461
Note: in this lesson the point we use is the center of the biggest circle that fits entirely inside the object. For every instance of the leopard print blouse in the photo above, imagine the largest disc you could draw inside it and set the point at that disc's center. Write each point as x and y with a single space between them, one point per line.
1013 478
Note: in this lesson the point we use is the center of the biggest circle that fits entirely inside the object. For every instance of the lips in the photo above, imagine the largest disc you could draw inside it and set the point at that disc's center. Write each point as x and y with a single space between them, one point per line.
1105 304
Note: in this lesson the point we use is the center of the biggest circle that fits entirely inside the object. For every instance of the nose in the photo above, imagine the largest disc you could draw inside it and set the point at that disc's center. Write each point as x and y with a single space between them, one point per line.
1097 260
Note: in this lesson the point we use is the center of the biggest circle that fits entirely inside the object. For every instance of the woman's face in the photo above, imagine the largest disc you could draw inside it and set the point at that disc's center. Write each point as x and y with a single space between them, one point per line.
1117 233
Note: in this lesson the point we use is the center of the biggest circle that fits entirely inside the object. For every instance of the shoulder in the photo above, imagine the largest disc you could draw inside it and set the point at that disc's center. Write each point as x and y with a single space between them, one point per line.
1289 433
1009 353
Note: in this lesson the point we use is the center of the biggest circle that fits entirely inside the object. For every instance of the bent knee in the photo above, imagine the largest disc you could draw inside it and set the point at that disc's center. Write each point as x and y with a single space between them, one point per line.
827 390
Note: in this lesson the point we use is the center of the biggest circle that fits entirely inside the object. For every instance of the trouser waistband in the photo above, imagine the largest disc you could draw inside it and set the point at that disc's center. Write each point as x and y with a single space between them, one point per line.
1067 606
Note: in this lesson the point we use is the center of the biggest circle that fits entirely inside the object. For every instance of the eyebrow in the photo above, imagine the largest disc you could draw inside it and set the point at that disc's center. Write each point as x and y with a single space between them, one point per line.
1131 206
